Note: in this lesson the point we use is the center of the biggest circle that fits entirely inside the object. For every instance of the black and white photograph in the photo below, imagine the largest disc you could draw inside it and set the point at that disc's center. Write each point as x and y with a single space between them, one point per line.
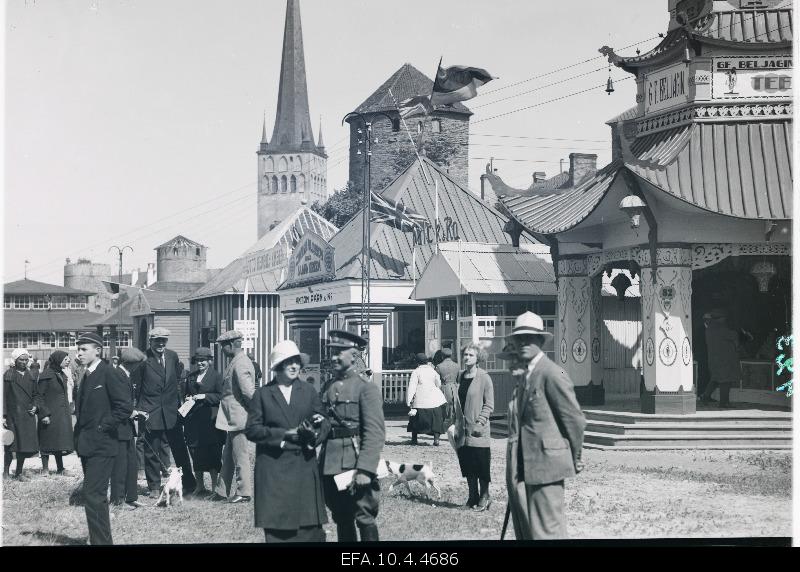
363 274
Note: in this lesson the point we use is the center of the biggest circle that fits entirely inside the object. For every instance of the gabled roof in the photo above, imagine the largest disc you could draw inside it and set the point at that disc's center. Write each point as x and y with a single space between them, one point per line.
157 301
27 286
180 240
406 82
393 250
474 268
230 280
117 317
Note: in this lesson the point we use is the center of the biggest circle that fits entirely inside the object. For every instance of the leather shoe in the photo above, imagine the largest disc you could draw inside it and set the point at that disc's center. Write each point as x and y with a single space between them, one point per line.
134 504
483 504
216 498
21 478
239 498
124 506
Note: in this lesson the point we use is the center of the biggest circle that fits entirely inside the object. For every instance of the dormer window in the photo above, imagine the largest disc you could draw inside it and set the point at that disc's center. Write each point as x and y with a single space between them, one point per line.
436 126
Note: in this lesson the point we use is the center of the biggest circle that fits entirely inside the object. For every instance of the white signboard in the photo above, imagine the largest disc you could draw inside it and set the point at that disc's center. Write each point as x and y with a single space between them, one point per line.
265 261
248 344
666 87
312 260
248 328
752 77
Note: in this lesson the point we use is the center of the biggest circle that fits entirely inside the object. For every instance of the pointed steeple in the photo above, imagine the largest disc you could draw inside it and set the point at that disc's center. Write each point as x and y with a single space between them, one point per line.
292 120
264 141
320 145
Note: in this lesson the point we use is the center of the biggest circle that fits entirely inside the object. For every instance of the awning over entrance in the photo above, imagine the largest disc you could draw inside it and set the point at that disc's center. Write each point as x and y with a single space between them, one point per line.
473 268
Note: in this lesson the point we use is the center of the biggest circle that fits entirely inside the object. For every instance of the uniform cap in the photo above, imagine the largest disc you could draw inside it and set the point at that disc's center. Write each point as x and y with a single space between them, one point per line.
89 338
345 339
229 336
132 355
159 333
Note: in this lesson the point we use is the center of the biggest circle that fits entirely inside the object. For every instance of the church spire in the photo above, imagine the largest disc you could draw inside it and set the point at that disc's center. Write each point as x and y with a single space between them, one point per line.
292 120
264 141
321 145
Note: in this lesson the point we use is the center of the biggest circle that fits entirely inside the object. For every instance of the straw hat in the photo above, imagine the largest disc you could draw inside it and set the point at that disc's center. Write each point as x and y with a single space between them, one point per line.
530 324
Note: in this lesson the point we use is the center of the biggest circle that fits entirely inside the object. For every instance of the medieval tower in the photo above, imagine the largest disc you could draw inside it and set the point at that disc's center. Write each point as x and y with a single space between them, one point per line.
292 168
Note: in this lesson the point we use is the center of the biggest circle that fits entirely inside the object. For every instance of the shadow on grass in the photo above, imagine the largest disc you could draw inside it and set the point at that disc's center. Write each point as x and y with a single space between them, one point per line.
421 499
54 538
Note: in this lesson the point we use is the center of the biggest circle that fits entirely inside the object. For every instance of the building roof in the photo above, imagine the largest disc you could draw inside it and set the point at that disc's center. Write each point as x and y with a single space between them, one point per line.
231 279
27 286
475 268
626 115
741 169
406 82
47 320
292 119
180 240
393 250
149 301
555 183
556 212
747 26
117 317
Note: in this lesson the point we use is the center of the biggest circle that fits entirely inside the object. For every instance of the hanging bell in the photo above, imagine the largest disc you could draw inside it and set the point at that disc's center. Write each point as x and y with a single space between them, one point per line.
610 86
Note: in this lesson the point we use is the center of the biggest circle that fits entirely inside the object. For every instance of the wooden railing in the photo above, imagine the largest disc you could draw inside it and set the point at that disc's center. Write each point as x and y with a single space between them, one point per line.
394 384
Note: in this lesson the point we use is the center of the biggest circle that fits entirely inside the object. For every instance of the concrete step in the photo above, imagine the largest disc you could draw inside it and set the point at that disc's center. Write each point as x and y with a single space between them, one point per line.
689 440
720 428
728 417
726 447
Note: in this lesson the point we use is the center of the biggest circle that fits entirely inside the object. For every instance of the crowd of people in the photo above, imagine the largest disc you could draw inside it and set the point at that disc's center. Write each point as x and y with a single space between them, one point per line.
312 449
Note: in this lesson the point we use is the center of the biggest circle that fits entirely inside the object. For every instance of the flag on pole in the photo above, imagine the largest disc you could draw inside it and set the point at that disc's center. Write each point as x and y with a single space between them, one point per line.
415 106
457 83
395 215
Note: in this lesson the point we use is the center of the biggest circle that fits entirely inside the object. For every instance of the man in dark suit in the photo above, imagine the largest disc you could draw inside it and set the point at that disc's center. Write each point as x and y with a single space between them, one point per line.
124 492
102 405
158 399
545 437
355 441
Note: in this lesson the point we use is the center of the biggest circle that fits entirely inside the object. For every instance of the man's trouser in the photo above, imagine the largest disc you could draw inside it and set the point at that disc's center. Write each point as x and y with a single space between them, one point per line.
153 465
235 461
724 392
125 473
164 454
538 511
96 476
346 507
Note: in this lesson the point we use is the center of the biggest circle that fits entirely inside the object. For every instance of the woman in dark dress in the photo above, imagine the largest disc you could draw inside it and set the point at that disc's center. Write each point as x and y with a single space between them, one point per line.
204 387
286 421
474 405
55 415
21 401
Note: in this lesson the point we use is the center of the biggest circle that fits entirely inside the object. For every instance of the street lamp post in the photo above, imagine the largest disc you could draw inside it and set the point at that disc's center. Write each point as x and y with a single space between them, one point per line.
366 232
113 339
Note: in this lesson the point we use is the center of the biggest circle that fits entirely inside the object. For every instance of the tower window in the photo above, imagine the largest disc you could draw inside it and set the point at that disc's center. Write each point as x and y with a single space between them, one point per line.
396 124
274 184
436 126
197 252
419 126
283 184
293 184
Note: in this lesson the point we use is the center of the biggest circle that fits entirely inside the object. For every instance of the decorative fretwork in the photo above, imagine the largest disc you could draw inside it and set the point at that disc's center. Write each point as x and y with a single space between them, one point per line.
712 112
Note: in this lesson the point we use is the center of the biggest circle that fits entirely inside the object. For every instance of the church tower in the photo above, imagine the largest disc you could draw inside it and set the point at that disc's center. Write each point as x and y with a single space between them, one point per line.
291 167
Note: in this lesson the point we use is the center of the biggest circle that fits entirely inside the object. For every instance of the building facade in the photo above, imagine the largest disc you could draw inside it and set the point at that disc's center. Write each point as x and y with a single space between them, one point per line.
292 168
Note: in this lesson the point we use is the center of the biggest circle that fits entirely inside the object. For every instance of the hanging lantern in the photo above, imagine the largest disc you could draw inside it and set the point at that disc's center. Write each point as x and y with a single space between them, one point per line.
632 206
763 273
610 85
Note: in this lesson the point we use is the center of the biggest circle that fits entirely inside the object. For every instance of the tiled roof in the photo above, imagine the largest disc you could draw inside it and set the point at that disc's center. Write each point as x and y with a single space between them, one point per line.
230 279
33 287
163 300
749 26
738 169
117 317
625 115
406 82
557 212
180 240
47 321
392 250
554 183
487 269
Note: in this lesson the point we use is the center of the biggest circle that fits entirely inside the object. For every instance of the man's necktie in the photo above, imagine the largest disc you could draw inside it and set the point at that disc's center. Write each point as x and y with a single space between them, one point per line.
161 361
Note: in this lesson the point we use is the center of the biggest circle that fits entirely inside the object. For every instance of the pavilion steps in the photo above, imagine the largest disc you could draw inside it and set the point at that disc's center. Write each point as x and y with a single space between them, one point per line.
717 430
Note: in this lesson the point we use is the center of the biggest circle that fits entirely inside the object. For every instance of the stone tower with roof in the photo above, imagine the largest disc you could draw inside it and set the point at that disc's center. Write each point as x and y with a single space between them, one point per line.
181 260
443 136
292 168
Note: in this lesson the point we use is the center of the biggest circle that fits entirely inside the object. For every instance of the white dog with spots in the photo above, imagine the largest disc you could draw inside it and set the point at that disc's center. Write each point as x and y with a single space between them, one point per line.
174 484
406 472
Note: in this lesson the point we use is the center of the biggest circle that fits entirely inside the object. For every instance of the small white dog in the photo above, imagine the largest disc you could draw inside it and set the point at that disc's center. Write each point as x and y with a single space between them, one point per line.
174 484
405 472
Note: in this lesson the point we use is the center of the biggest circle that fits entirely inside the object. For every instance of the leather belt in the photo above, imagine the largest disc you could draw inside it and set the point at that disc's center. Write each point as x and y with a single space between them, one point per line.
343 432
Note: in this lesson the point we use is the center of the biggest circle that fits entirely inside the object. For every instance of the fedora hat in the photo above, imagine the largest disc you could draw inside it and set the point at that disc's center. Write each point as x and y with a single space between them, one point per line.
530 324
283 351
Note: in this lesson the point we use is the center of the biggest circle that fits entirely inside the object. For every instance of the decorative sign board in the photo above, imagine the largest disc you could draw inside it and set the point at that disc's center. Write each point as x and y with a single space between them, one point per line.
752 77
263 261
248 328
311 261
666 87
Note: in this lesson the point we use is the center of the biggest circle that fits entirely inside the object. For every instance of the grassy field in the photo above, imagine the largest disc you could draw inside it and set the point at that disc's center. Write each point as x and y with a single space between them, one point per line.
619 495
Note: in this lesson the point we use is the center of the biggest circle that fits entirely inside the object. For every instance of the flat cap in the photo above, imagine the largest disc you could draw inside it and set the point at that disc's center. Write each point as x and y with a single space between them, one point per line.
159 333
229 336
132 355
89 338
345 339
203 353
447 352
422 357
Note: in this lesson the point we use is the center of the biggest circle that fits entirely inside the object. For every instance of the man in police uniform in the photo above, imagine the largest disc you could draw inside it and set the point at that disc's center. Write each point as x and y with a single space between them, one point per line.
355 441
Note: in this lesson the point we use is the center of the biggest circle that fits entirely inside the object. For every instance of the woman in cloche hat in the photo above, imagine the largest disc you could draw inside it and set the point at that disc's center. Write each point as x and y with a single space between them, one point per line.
286 421
204 386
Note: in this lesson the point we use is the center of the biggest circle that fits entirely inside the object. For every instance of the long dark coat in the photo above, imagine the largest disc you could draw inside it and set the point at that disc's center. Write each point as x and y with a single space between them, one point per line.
157 389
288 487
57 436
20 395
202 437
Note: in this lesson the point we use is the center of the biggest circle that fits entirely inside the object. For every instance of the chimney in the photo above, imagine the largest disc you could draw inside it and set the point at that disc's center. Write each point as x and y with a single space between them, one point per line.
151 274
539 176
134 276
581 167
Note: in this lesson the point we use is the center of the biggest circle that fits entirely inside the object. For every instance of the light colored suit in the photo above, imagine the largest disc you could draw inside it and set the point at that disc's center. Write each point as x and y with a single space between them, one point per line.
545 440
238 389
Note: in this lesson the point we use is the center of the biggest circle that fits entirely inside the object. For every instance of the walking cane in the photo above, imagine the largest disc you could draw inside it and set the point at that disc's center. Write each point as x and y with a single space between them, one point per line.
505 520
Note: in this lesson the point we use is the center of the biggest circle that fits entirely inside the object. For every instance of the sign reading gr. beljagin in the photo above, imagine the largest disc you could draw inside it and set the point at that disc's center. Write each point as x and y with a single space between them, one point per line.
311 261
752 77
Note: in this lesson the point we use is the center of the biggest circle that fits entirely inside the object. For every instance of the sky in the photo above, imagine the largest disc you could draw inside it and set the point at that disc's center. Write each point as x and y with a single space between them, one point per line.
128 122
